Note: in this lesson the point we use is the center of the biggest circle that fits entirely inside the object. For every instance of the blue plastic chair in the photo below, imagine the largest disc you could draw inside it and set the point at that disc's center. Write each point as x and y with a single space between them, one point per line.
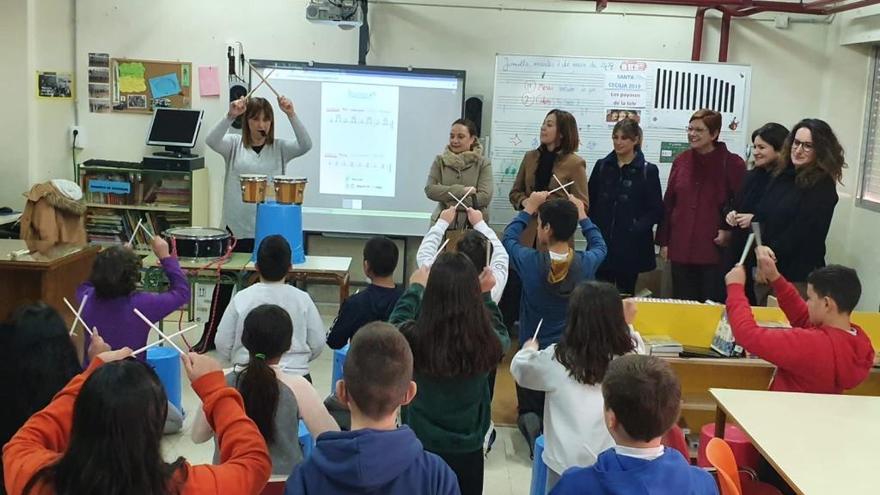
338 362
305 440
539 469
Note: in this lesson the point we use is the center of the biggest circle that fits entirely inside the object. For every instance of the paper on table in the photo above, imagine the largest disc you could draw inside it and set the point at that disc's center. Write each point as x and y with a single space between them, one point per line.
164 85
209 81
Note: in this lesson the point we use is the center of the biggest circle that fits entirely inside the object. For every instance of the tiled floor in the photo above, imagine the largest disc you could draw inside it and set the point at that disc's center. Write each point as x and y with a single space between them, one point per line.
507 471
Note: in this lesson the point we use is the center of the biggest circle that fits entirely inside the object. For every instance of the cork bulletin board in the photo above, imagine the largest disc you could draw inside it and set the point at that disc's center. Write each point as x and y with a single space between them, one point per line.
141 85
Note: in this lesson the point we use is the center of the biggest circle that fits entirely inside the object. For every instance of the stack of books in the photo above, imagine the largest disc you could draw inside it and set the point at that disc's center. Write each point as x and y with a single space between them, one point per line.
662 345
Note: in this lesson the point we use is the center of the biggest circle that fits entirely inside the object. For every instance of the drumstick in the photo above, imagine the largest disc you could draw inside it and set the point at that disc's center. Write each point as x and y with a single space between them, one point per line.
258 85
535 337
154 344
459 201
756 228
563 186
438 252
745 254
560 183
76 316
154 327
488 250
264 80
134 232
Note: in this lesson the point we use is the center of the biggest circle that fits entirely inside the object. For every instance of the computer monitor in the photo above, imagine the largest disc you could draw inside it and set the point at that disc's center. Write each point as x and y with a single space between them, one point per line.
176 129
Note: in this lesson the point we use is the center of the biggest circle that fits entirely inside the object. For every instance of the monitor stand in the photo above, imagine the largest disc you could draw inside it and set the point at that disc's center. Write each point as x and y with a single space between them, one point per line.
175 152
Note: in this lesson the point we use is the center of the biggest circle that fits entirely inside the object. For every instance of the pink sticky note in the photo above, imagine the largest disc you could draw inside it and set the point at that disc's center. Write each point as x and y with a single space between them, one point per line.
209 81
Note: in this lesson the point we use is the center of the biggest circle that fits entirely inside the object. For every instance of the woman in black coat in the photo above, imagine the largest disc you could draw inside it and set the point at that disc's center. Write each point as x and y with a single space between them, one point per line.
796 210
767 143
626 203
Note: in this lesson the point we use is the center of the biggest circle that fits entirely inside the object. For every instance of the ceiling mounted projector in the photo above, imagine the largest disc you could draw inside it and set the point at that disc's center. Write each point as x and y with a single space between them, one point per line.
346 14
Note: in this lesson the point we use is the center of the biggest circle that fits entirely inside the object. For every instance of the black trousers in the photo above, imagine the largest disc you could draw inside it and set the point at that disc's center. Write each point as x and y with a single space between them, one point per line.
468 468
697 282
624 281
530 401
510 302
222 295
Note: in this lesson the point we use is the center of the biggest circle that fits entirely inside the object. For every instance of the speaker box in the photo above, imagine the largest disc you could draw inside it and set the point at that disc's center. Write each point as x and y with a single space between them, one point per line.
473 111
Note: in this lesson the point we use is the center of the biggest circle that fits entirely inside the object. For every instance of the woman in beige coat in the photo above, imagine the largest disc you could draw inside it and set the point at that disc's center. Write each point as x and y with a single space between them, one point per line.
461 167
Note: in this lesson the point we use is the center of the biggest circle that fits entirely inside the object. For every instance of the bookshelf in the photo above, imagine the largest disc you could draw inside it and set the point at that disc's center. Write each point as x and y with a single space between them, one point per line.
117 198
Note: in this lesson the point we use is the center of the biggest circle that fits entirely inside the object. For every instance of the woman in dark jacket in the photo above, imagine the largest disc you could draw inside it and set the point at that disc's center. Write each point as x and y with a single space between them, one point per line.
627 203
767 142
797 208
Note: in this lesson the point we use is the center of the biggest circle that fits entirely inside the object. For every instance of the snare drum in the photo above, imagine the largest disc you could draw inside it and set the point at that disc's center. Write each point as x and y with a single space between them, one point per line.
253 187
198 242
290 190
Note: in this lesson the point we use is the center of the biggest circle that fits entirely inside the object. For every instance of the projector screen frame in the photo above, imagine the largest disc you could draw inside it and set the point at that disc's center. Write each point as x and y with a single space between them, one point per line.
268 64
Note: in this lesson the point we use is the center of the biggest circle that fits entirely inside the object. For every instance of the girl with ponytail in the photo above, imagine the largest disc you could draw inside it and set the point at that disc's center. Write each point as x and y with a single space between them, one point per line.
274 400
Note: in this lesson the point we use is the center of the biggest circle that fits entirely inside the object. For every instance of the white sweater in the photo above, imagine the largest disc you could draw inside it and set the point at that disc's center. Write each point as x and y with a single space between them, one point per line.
498 263
308 329
239 216
574 413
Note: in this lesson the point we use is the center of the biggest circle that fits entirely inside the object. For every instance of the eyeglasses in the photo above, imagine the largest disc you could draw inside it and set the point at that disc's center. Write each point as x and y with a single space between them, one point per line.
807 147
696 130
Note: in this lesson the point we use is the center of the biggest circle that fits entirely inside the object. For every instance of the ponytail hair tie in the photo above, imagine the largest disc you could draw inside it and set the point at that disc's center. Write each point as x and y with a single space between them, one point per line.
260 355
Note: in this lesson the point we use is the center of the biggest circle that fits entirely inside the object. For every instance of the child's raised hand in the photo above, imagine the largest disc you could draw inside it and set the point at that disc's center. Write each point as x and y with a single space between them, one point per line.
736 275
160 247
474 216
199 365
97 346
536 199
581 206
487 280
532 345
420 276
448 215
117 355
767 263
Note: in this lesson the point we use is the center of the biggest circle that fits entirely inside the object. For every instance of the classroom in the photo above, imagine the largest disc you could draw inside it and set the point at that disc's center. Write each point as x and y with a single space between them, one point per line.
520 229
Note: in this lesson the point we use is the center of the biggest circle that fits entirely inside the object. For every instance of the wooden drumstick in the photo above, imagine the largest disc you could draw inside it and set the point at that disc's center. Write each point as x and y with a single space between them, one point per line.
258 85
264 79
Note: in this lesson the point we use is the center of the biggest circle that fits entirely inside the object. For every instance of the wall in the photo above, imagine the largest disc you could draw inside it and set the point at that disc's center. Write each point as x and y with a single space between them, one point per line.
18 79
799 71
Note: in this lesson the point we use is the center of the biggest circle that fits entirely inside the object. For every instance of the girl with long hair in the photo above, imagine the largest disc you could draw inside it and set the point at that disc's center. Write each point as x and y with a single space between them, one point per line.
274 400
457 337
102 434
570 373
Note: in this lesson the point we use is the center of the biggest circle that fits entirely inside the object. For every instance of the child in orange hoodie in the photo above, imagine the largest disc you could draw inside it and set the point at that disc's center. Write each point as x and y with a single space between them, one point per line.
101 434
824 352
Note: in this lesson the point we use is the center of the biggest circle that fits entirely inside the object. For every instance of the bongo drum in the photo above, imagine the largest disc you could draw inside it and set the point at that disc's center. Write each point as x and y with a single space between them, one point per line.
290 190
253 187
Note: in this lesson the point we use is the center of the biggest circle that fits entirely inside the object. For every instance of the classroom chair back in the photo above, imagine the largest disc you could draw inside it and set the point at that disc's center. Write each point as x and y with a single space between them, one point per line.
275 486
721 457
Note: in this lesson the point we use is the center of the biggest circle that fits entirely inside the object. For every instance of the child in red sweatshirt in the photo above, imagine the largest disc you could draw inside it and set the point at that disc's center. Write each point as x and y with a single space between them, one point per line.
823 352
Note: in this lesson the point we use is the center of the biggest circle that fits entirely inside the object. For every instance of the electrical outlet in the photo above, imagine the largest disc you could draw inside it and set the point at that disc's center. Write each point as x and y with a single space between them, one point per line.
77 136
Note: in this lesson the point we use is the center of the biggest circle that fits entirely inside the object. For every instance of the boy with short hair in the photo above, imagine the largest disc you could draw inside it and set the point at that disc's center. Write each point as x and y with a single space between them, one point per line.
273 265
642 402
824 352
548 279
376 456
374 303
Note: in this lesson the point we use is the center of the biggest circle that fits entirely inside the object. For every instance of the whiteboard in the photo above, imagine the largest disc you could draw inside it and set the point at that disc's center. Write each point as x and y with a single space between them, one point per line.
595 90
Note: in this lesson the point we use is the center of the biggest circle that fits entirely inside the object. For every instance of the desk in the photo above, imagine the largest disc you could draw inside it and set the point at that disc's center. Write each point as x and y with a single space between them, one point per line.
39 271
819 443
240 270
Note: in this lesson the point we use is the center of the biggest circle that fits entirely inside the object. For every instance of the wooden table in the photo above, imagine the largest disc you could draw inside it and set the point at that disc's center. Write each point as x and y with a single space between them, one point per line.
38 271
240 270
819 443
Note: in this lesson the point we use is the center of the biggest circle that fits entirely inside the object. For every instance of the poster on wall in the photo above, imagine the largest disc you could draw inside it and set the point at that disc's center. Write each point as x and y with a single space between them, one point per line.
54 84
99 82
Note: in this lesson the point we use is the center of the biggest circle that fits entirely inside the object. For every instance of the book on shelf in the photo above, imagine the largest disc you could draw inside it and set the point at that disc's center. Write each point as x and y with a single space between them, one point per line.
135 188
662 345
114 227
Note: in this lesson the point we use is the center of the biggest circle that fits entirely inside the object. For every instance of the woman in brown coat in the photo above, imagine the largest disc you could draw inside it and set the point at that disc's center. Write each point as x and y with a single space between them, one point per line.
459 169
555 156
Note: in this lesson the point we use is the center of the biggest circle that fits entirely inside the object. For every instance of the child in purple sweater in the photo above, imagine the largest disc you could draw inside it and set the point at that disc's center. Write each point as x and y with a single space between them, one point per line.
112 296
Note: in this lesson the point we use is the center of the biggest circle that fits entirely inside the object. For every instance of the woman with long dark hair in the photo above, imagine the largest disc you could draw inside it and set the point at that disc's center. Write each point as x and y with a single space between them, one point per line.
102 433
275 400
457 337
767 143
626 204
571 372
796 210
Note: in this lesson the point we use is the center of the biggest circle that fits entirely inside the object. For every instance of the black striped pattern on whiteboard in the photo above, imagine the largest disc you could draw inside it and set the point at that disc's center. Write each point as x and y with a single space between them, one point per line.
679 90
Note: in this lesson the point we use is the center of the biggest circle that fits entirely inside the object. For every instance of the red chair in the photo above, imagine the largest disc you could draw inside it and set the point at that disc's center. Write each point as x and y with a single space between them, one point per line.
746 454
732 480
275 486
674 438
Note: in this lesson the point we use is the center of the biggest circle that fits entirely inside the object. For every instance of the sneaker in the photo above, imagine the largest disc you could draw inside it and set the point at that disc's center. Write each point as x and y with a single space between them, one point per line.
529 425
489 439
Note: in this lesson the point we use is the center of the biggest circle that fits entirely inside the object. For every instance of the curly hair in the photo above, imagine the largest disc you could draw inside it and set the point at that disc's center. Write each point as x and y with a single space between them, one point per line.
596 333
116 272
829 159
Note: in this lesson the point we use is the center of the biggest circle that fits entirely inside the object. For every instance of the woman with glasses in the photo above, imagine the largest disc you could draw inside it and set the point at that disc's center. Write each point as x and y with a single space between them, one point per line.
702 184
796 209
767 143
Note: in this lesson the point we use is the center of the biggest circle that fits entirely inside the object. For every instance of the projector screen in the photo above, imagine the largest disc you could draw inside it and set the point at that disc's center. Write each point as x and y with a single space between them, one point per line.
375 133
